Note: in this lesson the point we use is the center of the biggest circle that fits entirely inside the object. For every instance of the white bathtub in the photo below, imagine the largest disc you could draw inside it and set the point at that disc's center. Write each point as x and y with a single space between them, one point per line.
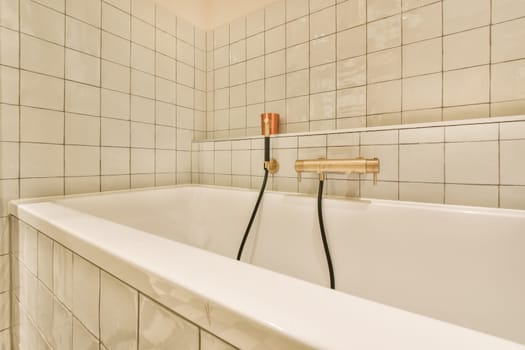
458 271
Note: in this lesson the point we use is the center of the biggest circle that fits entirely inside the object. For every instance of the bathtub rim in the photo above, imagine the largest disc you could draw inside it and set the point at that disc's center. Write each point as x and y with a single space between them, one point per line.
17 209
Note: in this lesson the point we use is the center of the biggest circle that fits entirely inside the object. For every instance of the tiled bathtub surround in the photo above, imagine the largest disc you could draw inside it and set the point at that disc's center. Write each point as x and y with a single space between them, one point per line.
476 163
62 301
327 64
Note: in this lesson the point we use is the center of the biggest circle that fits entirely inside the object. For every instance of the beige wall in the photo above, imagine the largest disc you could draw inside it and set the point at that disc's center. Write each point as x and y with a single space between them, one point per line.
208 14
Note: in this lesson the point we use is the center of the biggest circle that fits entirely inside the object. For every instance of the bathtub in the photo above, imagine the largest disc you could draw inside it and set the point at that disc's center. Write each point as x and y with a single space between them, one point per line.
408 275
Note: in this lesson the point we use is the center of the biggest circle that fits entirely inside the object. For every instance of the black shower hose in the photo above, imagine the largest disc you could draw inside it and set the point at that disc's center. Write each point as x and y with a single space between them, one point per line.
261 192
323 234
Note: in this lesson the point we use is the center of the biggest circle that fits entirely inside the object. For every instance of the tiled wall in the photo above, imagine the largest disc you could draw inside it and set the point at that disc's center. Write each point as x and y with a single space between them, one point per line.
95 95
327 64
62 301
477 164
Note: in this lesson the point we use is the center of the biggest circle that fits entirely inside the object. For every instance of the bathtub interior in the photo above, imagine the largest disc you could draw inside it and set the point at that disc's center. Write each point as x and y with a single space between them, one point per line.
457 264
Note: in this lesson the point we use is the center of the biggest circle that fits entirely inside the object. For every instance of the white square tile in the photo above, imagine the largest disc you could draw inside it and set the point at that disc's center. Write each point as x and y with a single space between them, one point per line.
384 97
351 43
86 288
464 166
505 40
63 274
322 78
275 88
297 57
384 65
83 37
41 56
82 161
143 9
41 160
38 90
422 23
322 50
322 106
466 86
297 109
384 34
351 102
143 59
142 33
351 14
82 68
275 39
322 23
115 76
422 135
422 163
507 82
255 92
238 52
142 84
82 99
297 83
114 161
142 109
41 21
124 5
422 92
166 44
351 72
275 63
466 49
297 31
422 57
115 49
142 161
503 10
459 15
114 132
238 72
41 125
87 11
115 104
116 21
82 130
255 46
377 9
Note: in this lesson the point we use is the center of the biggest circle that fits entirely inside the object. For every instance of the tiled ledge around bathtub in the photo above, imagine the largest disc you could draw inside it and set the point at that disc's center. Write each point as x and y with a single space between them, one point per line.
474 121
468 162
